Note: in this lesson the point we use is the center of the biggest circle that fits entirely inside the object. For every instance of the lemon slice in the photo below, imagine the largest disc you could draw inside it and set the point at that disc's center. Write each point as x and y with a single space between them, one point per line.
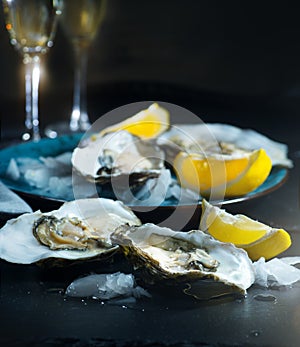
147 124
229 175
258 239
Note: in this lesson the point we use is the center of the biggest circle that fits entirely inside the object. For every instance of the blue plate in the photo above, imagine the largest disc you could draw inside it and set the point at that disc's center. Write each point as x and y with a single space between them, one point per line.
44 148
54 147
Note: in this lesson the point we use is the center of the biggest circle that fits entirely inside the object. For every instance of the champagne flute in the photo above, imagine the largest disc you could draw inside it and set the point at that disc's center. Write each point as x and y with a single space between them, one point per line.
80 21
31 26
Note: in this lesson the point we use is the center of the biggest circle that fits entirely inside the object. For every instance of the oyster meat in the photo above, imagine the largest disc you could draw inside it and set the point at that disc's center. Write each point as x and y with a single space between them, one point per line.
163 254
118 154
65 233
80 229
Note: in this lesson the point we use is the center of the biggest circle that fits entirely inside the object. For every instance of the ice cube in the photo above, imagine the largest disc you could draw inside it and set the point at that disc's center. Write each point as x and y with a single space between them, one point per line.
105 286
37 177
152 193
13 171
61 164
60 186
276 272
25 163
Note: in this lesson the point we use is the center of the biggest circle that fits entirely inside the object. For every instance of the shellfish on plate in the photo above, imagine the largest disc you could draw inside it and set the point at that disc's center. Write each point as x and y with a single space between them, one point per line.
217 138
118 155
162 254
78 230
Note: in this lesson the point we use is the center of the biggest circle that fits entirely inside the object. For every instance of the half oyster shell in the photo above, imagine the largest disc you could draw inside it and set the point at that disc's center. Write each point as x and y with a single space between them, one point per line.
162 254
220 138
78 230
118 155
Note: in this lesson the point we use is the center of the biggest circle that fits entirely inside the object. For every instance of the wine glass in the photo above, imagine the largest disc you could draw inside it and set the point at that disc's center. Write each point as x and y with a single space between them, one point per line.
31 26
80 21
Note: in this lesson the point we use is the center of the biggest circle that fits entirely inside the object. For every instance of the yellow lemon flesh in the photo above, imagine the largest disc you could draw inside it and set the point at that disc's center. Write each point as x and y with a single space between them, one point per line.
147 124
226 175
258 239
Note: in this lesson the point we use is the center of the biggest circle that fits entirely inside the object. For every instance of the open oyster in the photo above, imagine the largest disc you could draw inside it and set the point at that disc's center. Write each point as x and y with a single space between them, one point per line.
217 138
118 155
66 233
79 229
164 254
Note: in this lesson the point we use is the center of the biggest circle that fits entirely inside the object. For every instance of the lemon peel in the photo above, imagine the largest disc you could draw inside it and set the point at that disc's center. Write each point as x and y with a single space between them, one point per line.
269 246
147 124
258 239
258 170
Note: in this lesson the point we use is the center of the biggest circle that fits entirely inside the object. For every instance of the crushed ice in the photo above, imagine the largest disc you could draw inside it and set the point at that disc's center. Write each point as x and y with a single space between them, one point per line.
13 171
277 272
53 177
157 190
106 286
37 172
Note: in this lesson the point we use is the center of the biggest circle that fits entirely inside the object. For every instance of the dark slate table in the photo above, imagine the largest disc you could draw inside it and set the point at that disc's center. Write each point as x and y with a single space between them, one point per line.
34 311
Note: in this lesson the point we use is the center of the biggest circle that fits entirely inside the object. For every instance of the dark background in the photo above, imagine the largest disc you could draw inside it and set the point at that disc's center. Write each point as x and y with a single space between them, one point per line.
231 61
199 54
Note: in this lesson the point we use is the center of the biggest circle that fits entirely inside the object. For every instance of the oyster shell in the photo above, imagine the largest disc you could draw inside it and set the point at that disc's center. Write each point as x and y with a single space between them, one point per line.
220 138
78 230
118 155
164 254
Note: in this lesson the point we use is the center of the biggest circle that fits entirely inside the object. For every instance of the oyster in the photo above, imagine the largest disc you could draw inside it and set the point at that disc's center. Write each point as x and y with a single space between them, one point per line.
220 138
164 254
118 155
78 230
65 233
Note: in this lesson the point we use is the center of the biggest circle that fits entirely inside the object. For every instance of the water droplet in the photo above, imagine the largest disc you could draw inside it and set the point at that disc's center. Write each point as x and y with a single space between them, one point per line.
255 333
55 290
29 292
265 297
239 301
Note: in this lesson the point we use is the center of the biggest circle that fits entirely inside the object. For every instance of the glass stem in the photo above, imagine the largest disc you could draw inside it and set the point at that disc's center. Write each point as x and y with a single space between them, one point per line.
28 120
79 117
32 80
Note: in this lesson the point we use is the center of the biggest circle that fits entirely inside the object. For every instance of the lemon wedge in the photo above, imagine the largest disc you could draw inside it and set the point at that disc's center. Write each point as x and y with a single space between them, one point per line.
257 171
147 124
258 239
227 175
